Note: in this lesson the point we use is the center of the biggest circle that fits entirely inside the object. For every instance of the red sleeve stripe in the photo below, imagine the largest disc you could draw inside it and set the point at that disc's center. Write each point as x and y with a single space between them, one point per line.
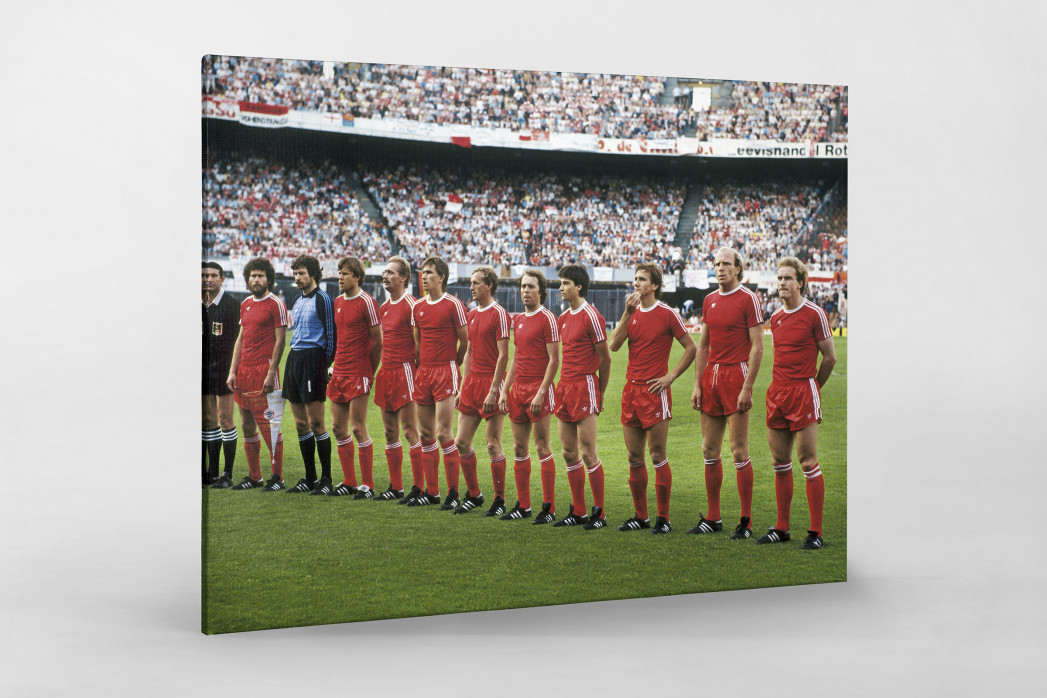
503 321
756 304
554 328
461 311
676 315
821 318
598 327
372 311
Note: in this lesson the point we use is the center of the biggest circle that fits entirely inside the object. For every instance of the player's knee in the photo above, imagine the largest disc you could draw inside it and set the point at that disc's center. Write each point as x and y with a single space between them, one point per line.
740 454
463 446
808 461
390 434
569 457
658 454
589 456
520 450
340 433
443 434
302 425
360 432
317 426
208 423
226 422
543 451
494 450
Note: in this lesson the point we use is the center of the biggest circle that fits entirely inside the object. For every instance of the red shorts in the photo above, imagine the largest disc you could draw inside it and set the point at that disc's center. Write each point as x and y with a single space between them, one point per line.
346 388
519 403
394 386
267 408
249 381
641 409
474 391
794 405
721 385
577 398
436 382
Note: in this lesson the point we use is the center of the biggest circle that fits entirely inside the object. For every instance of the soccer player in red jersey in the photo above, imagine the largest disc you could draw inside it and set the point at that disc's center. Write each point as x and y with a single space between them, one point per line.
441 336
254 374
650 326
394 383
730 349
483 373
528 396
579 395
358 349
799 331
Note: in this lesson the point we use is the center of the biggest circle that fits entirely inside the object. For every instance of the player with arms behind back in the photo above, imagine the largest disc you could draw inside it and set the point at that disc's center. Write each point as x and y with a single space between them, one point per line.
394 383
528 396
359 338
221 313
484 372
442 337
650 326
800 331
730 349
579 395
254 374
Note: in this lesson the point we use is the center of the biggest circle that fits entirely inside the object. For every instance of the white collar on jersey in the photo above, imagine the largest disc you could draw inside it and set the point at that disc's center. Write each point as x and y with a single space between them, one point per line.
647 310
431 302
390 300
488 306
537 310
349 298
214 301
796 308
736 288
580 308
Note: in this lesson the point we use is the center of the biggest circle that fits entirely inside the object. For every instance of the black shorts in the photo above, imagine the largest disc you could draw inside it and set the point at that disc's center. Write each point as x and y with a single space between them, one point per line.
305 376
214 379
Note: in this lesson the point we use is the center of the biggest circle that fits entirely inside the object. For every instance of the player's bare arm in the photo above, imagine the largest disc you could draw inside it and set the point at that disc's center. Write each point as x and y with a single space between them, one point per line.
552 349
701 361
491 401
656 385
621 330
828 352
278 352
417 345
510 376
376 348
463 343
603 371
745 395
235 363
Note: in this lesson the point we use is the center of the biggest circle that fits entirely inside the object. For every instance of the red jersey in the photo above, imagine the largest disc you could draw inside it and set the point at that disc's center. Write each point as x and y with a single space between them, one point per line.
531 332
437 323
353 319
259 318
487 326
651 334
397 335
795 335
581 330
728 317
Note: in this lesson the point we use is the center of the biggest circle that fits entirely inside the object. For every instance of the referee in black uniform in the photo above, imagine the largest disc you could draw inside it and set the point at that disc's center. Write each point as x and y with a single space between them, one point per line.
221 323
305 373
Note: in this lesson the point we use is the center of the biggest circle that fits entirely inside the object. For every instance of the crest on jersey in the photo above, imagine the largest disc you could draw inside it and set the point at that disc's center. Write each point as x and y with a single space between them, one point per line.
711 306
216 329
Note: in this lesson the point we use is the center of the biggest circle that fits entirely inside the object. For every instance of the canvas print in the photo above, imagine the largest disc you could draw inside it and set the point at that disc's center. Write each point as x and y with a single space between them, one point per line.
483 338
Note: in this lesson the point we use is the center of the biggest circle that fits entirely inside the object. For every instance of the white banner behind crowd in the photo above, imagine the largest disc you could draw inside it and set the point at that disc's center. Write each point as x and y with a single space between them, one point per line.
469 136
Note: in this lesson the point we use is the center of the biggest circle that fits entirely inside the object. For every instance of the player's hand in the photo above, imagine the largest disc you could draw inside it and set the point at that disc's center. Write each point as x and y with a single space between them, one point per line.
270 382
632 302
457 399
745 399
696 398
330 371
491 402
503 402
536 404
657 385
231 381
599 403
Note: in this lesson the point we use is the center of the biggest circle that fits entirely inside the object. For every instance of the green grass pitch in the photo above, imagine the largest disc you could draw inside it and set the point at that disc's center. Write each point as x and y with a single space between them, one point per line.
274 560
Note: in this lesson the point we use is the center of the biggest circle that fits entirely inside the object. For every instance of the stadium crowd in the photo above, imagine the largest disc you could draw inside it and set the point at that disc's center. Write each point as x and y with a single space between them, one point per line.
610 106
762 221
785 112
537 219
259 207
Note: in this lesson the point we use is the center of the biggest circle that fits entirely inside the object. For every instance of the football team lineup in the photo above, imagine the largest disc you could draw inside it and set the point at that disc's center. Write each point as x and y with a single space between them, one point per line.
423 362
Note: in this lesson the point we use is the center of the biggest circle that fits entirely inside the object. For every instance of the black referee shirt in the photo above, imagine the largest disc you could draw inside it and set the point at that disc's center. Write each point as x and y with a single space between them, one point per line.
221 324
